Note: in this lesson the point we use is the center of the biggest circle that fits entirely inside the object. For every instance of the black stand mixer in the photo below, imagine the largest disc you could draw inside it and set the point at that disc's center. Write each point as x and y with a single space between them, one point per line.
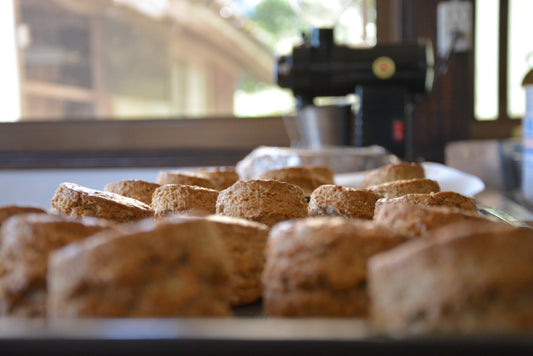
388 79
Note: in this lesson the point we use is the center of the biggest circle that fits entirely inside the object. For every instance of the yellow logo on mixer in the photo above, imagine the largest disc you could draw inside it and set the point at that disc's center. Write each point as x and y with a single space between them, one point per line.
383 67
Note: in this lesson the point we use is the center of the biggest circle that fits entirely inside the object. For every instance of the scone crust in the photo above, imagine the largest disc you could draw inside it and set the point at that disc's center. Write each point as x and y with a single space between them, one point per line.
77 201
133 188
317 266
245 242
307 177
27 241
149 269
7 211
335 200
392 172
187 199
183 178
264 201
222 177
418 220
469 277
447 198
399 188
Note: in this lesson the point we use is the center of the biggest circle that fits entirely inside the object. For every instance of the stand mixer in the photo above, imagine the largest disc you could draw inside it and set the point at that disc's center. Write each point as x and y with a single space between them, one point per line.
388 79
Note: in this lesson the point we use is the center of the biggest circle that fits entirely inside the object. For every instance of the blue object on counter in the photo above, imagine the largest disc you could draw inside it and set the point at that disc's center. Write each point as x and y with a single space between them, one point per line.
527 129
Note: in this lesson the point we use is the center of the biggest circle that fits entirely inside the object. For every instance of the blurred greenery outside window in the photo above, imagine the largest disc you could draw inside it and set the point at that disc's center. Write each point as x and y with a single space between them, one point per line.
137 59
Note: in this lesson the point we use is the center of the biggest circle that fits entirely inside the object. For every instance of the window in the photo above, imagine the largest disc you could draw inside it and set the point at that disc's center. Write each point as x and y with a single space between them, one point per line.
129 59
504 54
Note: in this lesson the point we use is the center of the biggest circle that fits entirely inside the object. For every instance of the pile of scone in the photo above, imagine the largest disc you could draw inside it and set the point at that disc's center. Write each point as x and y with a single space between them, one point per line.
199 243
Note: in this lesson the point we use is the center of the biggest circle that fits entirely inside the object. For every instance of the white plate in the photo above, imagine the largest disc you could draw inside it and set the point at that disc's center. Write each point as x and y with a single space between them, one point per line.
449 179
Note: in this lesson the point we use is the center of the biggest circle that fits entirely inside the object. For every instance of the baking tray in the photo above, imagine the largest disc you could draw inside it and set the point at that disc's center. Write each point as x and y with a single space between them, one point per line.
242 335
250 332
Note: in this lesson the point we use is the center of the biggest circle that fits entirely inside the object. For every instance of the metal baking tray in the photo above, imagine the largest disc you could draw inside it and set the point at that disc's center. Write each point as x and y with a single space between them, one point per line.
243 335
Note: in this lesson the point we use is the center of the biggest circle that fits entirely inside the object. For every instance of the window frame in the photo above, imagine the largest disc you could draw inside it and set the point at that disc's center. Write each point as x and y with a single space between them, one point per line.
503 126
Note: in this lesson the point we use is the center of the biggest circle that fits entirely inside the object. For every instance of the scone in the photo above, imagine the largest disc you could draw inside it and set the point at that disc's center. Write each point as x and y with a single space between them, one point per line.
466 278
7 211
307 177
335 200
183 178
264 201
449 199
27 241
392 172
133 188
74 200
245 243
185 199
222 177
147 269
399 188
418 220
316 267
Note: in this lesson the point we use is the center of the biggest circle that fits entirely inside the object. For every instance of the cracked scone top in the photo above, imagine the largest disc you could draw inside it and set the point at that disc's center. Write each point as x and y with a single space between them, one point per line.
74 200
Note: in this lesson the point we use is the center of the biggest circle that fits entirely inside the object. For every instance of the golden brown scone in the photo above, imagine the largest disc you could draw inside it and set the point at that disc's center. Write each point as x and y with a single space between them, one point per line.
185 199
223 177
418 220
245 243
402 187
27 241
307 177
316 267
74 200
171 177
449 199
264 201
147 269
392 172
7 211
466 278
133 188
335 200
